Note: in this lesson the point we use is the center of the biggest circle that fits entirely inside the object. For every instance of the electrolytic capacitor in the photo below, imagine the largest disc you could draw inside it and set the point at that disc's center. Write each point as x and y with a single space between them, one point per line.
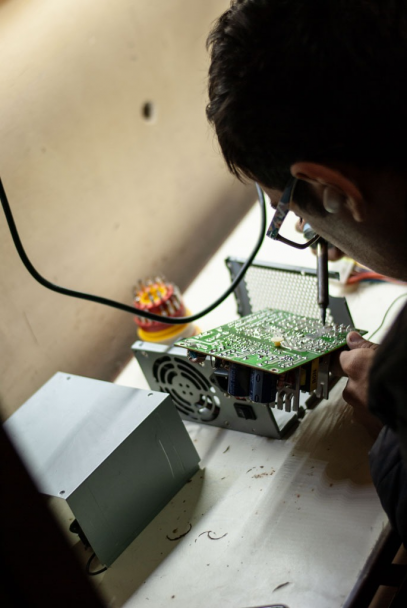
239 380
195 357
263 387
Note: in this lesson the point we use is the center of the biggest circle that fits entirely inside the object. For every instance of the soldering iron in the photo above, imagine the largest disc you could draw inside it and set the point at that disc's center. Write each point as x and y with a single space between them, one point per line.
321 247
322 277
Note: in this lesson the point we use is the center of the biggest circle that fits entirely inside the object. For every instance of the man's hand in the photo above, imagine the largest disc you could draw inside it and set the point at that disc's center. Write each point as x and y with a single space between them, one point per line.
355 364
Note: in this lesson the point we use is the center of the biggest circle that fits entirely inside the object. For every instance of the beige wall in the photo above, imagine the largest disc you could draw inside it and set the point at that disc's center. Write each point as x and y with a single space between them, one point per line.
101 196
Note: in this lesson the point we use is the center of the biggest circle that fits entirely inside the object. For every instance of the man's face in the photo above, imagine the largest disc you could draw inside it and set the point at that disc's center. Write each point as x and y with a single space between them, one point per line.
379 242
311 213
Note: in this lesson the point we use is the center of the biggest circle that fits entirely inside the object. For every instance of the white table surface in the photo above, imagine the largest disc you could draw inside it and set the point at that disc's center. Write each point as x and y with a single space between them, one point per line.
291 521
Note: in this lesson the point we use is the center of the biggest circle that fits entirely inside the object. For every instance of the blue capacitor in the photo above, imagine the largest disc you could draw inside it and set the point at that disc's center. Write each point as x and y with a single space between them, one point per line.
195 356
263 387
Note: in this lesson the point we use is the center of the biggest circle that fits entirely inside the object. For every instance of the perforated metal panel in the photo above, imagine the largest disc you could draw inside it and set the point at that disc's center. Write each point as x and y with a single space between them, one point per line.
289 288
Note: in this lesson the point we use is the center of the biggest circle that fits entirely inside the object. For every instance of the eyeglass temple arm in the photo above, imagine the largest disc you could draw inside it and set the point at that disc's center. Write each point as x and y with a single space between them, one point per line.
282 209
298 245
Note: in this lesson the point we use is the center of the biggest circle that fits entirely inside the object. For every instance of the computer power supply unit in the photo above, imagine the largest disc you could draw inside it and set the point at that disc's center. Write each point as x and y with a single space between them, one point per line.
116 455
198 396
228 385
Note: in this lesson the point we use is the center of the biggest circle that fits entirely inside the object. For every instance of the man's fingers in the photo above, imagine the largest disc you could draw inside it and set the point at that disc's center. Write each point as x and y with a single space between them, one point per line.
355 340
299 225
335 366
354 394
356 363
334 253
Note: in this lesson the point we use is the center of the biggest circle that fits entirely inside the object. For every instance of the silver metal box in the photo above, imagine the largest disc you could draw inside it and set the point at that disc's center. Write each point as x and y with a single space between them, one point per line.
198 398
116 455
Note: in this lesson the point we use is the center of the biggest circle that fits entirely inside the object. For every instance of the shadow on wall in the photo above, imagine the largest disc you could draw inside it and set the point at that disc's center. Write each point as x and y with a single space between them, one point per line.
111 172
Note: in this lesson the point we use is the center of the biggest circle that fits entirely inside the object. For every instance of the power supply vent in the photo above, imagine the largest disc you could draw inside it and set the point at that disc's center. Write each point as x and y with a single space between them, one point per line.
189 389
289 288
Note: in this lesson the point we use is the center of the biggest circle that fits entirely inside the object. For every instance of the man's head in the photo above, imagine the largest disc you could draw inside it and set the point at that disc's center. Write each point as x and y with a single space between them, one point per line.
318 90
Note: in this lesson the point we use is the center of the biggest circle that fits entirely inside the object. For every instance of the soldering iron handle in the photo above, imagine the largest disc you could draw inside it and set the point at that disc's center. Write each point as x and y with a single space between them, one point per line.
322 276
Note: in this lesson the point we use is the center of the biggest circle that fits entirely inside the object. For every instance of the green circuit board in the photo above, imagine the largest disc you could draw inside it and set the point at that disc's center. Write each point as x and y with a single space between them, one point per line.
271 340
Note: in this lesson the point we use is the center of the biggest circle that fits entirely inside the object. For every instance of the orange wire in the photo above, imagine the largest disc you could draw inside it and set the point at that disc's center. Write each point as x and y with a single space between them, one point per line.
361 276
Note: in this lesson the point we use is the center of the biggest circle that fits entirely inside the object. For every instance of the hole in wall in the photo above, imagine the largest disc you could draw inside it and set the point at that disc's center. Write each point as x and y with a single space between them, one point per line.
148 111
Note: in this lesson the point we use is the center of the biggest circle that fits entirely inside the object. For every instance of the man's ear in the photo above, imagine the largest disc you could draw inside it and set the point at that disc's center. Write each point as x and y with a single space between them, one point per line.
322 176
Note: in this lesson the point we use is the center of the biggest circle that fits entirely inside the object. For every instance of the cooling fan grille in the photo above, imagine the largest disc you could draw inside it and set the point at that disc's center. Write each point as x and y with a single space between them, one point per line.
189 389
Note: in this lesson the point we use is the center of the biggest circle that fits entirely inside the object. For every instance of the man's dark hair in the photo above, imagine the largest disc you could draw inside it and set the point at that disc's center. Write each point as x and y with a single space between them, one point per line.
315 80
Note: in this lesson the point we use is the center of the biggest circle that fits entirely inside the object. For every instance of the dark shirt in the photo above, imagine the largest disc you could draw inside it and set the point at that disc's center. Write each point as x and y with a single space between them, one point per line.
388 401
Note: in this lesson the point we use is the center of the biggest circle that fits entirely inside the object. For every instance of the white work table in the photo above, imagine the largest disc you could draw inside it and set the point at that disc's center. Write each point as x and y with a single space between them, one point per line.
264 521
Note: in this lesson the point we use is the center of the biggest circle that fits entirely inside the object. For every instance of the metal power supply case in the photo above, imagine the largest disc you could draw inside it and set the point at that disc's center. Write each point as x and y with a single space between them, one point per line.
116 455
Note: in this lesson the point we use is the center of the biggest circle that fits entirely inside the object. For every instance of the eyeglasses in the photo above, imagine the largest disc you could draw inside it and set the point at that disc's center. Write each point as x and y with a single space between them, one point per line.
282 209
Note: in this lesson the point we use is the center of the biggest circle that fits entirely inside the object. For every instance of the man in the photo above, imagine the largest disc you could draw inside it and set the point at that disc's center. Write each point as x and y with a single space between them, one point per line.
310 99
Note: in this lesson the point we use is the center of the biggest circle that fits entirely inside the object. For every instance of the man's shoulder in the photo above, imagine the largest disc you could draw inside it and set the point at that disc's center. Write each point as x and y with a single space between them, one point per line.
388 376
393 342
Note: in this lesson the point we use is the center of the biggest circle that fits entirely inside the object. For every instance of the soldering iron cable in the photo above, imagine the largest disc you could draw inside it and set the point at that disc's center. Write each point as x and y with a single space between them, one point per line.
112 303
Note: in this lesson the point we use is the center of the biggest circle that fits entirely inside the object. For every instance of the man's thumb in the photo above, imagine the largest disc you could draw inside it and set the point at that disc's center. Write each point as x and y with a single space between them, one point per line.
355 340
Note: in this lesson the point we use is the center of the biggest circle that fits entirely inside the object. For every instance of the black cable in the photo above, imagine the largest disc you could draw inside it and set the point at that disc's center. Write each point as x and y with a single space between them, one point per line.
88 567
132 309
